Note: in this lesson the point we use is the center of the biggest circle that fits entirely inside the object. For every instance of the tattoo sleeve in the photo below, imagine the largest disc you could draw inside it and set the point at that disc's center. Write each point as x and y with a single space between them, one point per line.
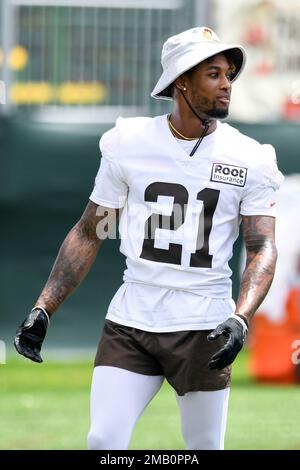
259 237
75 257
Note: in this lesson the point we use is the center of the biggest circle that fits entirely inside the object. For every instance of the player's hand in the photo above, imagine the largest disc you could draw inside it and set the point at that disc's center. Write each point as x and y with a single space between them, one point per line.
31 334
235 330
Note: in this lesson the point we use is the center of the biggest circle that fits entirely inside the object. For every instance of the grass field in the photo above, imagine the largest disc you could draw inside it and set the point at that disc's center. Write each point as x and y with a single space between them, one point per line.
47 407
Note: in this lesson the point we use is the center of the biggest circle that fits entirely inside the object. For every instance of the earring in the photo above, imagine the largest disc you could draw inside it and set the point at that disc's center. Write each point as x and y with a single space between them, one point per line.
184 88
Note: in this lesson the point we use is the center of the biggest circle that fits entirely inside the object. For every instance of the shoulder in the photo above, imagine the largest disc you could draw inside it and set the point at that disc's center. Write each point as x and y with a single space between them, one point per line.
268 169
259 159
135 124
233 137
125 131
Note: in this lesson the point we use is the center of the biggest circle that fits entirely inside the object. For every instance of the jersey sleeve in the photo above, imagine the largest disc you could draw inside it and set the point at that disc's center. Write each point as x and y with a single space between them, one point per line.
110 189
261 197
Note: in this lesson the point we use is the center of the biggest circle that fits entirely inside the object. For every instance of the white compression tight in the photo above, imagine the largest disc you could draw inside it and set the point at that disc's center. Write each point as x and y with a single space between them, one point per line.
119 397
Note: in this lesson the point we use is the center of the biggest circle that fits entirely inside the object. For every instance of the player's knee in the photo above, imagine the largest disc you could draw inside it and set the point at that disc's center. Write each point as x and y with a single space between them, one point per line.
98 440
202 439
205 442
211 443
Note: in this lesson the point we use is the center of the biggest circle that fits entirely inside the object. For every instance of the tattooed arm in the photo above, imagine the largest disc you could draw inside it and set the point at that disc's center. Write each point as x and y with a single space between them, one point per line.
76 255
259 237
74 259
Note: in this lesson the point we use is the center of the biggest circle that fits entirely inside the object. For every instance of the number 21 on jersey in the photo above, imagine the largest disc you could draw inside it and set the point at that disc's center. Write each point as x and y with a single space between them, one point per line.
201 258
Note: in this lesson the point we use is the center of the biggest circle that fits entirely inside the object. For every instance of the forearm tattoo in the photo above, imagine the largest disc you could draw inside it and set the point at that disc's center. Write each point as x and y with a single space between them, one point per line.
261 252
74 259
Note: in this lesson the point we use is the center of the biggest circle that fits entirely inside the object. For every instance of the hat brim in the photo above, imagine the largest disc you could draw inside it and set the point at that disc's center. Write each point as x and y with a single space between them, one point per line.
190 60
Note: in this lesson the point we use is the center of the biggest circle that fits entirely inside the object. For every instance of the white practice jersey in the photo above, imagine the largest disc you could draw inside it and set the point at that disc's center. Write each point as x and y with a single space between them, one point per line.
181 214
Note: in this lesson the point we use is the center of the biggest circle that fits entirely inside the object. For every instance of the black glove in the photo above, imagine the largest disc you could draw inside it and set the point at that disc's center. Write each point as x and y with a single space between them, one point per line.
235 331
31 334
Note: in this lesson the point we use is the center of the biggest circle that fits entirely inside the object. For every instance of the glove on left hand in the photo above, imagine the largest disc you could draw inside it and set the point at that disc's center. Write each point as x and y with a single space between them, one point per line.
235 331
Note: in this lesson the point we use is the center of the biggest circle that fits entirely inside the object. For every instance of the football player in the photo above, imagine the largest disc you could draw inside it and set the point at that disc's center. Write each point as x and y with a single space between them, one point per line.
182 182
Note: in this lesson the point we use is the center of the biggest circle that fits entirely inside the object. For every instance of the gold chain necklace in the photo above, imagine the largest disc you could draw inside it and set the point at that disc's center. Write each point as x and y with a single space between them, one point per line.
173 129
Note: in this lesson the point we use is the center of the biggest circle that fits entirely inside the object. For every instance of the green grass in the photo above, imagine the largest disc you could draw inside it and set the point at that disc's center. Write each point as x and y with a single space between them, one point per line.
47 407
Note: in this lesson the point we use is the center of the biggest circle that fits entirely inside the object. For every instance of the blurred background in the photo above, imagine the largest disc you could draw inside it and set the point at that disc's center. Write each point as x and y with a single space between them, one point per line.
68 69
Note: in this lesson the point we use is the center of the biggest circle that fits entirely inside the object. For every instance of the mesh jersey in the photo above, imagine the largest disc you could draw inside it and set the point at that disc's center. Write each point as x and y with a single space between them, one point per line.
181 214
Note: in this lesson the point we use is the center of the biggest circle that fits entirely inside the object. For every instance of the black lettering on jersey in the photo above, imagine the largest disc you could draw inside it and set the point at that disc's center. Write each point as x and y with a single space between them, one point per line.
180 194
228 174
201 258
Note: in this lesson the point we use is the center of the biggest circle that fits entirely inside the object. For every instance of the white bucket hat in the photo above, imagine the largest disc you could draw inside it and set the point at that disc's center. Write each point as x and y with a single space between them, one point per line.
185 50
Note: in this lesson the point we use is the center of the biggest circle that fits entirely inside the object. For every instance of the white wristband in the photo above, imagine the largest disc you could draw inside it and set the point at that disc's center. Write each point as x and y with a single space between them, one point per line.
45 312
242 322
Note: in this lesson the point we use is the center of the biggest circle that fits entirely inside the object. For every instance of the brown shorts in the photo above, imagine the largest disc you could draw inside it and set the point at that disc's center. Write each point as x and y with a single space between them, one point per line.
181 356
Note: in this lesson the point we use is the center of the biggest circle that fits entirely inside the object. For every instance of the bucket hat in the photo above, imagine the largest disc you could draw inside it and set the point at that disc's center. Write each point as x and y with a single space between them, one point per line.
187 49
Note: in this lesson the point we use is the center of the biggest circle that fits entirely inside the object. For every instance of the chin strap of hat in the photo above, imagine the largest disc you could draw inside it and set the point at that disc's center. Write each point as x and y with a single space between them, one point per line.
205 122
